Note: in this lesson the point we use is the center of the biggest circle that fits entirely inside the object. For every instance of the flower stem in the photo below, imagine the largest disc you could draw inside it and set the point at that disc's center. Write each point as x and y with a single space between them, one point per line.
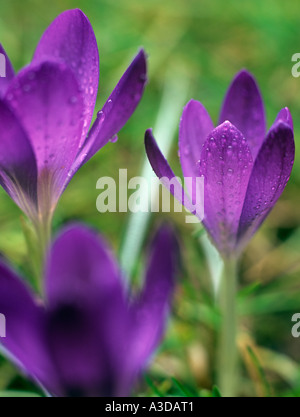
228 361
43 233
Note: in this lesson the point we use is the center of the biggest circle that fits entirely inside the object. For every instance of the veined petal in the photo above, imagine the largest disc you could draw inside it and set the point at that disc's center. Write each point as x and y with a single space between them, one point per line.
149 309
25 338
118 108
162 169
269 177
70 38
243 107
18 169
195 125
47 101
6 71
226 164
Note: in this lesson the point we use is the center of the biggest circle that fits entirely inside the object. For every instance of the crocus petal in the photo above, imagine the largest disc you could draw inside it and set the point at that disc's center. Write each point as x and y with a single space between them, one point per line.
226 164
118 108
70 38
6 71
24 339
162 169
18 169
243 107
88 315
195 125
150 308
49 105
85 343
285 116
269 177
80 266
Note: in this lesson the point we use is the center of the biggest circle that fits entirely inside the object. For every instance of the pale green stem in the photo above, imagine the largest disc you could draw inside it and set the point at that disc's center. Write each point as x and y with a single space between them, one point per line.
43 233
228 353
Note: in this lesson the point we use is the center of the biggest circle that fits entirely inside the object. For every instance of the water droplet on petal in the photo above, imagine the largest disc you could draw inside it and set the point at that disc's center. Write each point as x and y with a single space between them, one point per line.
186 150
31 76
73 100
101 116
27 88
114 139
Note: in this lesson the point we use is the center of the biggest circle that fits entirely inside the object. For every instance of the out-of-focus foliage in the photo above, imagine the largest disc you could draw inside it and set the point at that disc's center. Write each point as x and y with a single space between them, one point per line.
203 44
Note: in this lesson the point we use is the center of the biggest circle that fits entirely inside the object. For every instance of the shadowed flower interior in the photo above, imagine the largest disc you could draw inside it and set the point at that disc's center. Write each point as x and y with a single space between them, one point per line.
89 337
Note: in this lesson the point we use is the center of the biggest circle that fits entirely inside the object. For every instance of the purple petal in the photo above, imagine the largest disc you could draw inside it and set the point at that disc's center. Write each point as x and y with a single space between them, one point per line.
226 164
47 102
194 128
162 169
285 116
243 107
24 329
88 317
8 72
149 310
269 177
118 109
71 39
86 344
80 267
18 170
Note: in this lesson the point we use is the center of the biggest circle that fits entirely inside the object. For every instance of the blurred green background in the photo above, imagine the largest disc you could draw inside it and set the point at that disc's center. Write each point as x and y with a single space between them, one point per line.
194 49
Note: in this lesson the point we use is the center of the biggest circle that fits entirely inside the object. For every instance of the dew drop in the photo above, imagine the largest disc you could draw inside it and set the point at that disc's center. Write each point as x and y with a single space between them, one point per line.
113 139
27 88
31 76
143 78
73 100
101 116
186 150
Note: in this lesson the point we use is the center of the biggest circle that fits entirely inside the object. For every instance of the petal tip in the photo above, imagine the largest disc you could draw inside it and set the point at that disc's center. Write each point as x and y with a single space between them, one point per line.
244 74
149 136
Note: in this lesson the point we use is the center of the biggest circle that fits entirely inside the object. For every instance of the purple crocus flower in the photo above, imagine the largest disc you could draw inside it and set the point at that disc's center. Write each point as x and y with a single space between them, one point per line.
46 111
89 338
245 169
